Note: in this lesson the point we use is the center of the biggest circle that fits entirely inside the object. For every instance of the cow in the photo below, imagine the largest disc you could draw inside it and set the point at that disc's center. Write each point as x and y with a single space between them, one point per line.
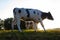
29 14
29 24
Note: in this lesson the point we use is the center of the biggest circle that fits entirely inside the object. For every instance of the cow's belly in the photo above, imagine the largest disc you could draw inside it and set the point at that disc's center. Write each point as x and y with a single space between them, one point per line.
27 19
30 19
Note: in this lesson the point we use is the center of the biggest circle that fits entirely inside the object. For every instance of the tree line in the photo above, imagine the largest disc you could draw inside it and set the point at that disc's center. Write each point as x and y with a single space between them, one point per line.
6 24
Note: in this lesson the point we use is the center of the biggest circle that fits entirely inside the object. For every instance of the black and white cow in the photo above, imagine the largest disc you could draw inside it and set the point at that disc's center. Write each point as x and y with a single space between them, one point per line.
29 24
29 14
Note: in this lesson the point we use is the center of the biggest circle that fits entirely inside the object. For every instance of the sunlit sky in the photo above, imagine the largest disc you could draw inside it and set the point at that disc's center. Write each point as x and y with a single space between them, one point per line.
7 6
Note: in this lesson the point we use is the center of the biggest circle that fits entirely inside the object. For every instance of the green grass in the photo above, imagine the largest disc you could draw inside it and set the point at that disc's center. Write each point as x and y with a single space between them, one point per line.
29 35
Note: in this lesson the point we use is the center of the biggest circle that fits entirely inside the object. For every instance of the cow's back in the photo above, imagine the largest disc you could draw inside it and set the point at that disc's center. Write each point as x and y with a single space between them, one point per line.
27 13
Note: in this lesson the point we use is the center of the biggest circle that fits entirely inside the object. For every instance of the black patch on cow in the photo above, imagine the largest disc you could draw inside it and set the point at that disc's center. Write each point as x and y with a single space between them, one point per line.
34 12
14 11
19 11
28 13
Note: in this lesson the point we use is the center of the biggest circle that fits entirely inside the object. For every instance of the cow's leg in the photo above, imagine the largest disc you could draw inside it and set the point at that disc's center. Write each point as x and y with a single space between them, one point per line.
35 26
27 27
42 24
18 24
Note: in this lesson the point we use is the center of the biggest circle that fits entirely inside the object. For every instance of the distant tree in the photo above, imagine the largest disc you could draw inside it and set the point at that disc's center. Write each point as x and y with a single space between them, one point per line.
8 23
1 23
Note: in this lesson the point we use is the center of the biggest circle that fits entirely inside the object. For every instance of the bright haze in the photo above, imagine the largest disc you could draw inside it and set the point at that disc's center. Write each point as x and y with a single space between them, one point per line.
7 6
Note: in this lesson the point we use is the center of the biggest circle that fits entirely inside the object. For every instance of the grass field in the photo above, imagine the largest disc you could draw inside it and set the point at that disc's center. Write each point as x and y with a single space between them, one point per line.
29 35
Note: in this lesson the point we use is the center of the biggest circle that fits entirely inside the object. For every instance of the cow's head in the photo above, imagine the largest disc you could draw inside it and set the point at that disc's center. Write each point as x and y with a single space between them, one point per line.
49 16
46 15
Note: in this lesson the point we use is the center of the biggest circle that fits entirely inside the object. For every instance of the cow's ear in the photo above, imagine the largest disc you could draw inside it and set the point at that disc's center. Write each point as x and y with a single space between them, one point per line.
49 12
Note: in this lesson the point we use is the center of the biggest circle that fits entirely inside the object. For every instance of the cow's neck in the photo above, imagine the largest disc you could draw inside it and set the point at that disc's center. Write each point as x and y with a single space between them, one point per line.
44 15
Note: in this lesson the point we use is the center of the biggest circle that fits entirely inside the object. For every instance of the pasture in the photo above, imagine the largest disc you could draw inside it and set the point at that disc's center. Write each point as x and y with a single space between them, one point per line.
29 35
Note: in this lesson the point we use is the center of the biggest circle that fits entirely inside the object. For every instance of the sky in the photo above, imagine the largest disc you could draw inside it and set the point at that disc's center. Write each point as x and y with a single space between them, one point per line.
7 6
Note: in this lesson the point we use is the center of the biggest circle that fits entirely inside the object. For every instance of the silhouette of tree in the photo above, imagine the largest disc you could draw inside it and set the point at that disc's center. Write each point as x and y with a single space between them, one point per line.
8 23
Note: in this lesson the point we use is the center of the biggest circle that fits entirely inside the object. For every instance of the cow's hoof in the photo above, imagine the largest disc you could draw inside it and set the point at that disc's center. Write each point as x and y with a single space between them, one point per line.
45 31
35 31
20 30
